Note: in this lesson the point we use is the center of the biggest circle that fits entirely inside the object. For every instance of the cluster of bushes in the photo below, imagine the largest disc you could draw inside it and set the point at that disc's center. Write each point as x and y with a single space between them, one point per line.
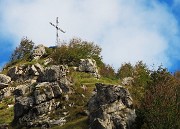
75 50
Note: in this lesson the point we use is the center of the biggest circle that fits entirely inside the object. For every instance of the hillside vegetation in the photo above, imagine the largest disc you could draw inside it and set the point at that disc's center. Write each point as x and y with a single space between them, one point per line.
155 93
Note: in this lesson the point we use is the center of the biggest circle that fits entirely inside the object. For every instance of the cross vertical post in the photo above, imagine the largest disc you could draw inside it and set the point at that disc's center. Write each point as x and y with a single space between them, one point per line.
57 29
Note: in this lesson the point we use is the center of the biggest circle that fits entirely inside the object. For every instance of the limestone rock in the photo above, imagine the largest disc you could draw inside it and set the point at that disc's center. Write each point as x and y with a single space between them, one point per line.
54 73
21 90
6 92
47 61
33 103
46 90
111 108
127 81
25 72
88 65
4 79
15 72
38 52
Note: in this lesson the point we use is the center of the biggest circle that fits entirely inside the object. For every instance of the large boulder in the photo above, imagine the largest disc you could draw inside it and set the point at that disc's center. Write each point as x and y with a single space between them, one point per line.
38 52
127 81
111 108
88 65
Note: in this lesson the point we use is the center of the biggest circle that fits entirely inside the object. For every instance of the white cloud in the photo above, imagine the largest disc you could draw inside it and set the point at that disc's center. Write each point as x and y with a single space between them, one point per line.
126 30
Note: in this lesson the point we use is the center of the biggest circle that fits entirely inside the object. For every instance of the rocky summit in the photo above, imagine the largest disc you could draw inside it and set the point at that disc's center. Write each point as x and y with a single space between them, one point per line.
44 89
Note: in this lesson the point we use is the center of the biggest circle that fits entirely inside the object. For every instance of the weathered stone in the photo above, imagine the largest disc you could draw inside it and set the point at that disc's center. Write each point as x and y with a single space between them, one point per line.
22 106
111 108
3 85
46 91
53 73
25 72
38 52
21 90
4 79
47 61
89 65
127 81
6 92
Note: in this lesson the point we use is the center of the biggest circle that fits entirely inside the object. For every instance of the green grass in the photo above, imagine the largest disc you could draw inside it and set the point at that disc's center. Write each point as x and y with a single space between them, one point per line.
7 115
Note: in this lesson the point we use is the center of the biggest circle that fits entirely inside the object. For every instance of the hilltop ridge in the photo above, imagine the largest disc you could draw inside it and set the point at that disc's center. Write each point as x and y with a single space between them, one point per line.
69 86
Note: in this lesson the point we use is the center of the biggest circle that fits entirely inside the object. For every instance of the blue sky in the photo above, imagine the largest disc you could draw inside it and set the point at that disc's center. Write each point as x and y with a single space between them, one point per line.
127 30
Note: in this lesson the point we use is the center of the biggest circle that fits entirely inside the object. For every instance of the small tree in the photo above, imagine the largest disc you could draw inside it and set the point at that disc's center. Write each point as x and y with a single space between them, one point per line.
141 74
126 70
107 71
23 50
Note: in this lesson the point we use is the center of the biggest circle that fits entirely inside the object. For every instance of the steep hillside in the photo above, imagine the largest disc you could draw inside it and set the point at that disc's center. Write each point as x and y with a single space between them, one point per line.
69 87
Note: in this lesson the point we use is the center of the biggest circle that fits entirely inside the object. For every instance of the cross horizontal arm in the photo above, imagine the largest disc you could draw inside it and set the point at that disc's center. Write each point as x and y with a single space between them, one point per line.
61 30
52 24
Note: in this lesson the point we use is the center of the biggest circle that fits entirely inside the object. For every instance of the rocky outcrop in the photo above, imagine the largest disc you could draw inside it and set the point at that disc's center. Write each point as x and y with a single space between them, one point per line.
127 81
4 79
89 65
111 108
25 72
53 73
6 92
38 52
34 102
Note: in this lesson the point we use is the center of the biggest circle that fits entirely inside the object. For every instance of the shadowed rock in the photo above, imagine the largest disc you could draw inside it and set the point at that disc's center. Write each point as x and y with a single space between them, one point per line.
111 108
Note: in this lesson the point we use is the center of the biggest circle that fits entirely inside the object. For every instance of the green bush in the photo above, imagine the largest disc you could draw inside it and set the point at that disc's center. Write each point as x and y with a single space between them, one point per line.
77 49
107 71
126 70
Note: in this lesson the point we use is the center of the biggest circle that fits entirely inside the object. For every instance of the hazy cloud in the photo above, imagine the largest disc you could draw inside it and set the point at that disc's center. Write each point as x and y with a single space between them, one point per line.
127 30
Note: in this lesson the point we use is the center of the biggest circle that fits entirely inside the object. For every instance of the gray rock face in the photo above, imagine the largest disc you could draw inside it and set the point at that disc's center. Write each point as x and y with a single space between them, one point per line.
6 92
31 109
111 108
4 79
34 102
88 65
25 72
53 73
127 81
38 52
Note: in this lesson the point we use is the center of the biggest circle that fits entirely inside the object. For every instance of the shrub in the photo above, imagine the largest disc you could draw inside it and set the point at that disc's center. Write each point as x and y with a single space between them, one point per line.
107 71
77 49
126 70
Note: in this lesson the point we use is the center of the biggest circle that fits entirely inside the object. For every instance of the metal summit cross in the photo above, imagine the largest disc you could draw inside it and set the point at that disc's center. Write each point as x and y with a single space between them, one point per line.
57 28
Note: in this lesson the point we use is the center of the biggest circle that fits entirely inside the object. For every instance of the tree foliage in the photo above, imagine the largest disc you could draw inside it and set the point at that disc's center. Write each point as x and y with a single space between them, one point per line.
161 104
23 50
107 71
126 70
77 49
141 74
